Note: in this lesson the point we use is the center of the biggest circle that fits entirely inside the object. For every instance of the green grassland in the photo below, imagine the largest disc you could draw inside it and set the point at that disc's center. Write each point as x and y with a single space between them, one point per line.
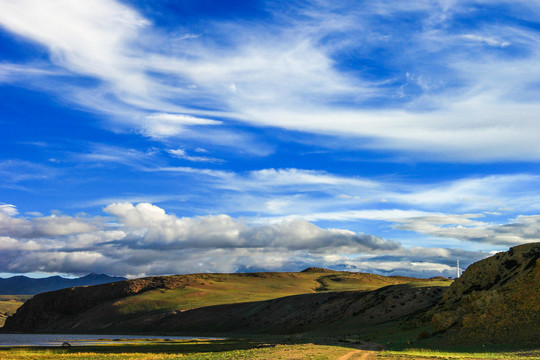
216 289
419 354
244 349
143 304
186 350
9 305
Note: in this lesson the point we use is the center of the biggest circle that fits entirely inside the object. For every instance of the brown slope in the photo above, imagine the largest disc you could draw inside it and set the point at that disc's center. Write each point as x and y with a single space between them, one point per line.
286 315
105 307
496 301
318 270
49 307
301 313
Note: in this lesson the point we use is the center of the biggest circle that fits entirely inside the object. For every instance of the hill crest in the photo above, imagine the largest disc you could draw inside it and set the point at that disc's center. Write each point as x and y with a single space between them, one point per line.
314 269
86 308
494 301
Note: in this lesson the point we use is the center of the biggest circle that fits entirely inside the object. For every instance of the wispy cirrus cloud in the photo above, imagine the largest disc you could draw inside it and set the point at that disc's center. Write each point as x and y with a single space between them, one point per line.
441 95
16 173
310 192
181 154
164 125
316 195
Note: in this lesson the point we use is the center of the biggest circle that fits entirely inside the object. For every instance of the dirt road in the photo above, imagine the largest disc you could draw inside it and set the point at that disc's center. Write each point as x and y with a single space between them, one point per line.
359 355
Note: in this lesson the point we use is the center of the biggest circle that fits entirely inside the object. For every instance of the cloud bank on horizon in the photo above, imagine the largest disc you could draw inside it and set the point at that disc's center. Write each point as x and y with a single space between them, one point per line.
374 136
142 239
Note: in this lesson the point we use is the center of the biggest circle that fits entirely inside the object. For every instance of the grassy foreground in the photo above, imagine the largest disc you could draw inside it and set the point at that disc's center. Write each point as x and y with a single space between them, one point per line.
241 349
185 350
420 354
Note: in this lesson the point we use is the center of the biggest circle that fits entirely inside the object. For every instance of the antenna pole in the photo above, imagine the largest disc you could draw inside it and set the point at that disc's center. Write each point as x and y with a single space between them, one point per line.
457 268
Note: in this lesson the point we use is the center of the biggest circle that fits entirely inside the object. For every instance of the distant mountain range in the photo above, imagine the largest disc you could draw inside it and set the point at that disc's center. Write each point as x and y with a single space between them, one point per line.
23 285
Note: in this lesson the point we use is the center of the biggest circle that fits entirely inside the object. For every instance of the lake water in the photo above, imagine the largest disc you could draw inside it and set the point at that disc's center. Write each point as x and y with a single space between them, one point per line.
78 339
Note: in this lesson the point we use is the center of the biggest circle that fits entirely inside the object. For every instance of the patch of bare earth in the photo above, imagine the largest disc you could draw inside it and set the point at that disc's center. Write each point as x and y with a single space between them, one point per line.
359 355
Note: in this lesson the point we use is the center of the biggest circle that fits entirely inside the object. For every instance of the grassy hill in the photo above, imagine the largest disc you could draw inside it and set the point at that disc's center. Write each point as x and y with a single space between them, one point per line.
201 290
135 304
496 301
9 305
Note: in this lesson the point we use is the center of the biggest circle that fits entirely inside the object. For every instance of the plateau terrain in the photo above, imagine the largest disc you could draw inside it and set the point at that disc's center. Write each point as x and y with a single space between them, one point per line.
494 302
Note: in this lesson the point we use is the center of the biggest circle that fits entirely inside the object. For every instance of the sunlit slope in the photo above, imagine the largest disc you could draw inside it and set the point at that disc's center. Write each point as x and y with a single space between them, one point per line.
202 290
9 305
108 306
497 300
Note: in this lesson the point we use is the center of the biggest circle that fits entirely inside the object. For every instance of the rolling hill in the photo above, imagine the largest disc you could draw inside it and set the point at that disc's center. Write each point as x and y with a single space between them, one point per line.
14 291
9 305
132 305
495 301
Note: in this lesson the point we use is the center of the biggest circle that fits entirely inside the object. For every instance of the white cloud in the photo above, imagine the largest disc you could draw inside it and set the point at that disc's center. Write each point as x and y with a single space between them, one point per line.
13 73
15 172
181 154
288 75
9 243
221 231
524 229
90 38
143 239
486 40
218 174
316 195
53 225
100 153
162 124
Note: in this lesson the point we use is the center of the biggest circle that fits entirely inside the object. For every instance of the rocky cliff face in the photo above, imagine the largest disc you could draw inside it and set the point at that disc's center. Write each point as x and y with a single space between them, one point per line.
496 300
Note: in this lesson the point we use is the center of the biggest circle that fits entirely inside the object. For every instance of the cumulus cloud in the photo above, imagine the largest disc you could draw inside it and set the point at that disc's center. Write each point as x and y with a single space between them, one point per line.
40 226
166 231
143 239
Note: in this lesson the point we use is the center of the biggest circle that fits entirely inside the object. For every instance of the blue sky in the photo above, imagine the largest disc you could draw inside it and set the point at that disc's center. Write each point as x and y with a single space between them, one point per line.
158 137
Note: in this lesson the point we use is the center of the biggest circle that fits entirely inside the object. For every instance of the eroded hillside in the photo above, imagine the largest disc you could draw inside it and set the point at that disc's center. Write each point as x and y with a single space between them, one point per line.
496 301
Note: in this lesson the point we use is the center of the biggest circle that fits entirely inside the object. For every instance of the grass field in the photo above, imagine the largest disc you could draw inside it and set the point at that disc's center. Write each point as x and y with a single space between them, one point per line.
175 294
215 289
433 354
9 305
243 349
187 350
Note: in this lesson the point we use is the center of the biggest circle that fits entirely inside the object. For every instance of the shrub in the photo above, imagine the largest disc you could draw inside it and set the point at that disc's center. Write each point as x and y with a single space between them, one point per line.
423 335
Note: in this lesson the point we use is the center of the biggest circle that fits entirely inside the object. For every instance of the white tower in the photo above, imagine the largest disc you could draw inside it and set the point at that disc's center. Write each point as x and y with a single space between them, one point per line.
457 268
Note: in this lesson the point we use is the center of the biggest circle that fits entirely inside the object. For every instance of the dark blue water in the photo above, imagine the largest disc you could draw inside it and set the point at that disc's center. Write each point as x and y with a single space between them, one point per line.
74 340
